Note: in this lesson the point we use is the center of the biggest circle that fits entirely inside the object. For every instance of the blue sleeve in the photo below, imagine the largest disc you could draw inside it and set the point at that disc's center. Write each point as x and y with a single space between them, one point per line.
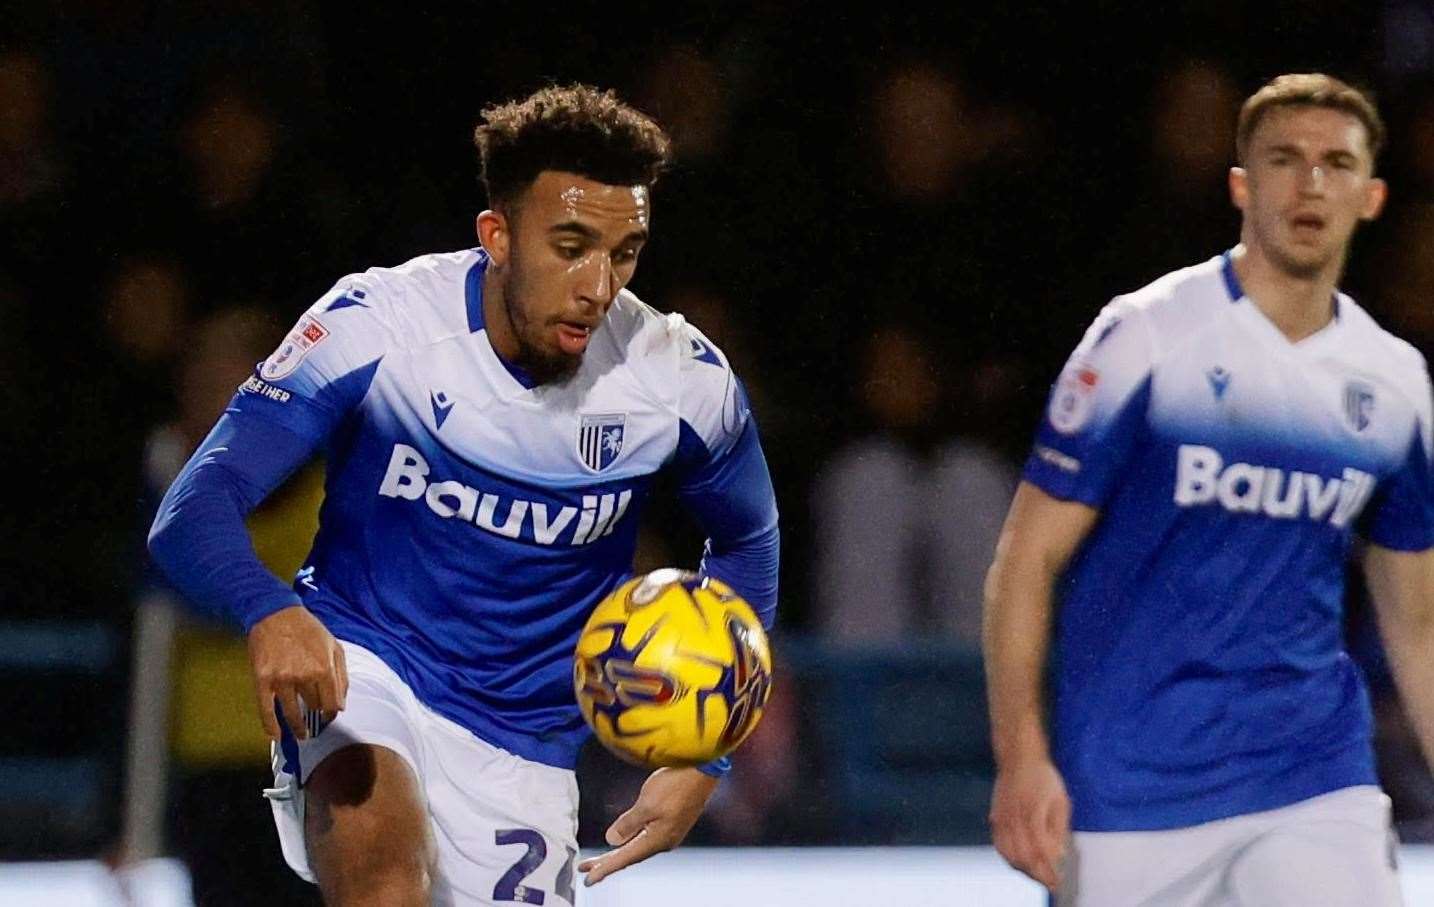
281 415
717 768
1402 513
199 538
732 498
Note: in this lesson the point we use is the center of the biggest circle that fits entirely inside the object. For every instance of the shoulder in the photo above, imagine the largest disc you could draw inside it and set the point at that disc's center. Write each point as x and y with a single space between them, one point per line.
644 333
1394 362
368 314
1380 346
683 366
421 300
1178 305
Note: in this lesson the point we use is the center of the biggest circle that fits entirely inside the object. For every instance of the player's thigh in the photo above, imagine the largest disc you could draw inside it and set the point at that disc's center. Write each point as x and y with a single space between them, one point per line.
1341 853
505 827
378 714
366 819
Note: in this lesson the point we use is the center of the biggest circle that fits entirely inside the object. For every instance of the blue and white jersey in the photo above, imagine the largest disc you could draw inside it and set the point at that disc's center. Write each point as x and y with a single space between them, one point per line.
473 520
1198 661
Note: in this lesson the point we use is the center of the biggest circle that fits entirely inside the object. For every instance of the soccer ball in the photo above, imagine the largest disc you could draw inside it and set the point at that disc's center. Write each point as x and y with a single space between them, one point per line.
672 669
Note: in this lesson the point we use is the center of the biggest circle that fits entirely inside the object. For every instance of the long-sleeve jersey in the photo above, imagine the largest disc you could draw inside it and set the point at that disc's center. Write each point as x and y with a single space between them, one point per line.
472 519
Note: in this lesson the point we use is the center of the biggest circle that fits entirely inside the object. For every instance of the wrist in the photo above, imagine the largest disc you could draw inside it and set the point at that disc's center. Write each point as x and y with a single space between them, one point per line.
717 768
1022 746
258 611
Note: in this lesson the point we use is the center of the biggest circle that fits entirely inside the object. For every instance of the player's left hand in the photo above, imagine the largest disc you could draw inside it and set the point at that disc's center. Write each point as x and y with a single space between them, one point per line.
666 809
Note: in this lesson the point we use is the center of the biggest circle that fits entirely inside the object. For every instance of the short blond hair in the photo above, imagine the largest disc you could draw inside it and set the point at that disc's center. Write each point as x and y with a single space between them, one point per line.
1309 89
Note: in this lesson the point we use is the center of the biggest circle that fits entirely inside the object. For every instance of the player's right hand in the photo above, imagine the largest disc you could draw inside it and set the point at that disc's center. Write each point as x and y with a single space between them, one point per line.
1030 819
293 656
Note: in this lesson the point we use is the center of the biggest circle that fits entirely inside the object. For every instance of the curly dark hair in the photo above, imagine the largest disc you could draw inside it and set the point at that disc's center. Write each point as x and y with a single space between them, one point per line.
575 128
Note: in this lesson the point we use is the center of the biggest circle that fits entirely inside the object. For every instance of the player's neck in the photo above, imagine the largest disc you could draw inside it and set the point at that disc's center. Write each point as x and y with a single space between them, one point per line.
495 319
1299 306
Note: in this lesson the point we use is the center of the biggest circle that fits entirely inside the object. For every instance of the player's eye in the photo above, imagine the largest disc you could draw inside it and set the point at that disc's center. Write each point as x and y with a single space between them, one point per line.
569 251
624 256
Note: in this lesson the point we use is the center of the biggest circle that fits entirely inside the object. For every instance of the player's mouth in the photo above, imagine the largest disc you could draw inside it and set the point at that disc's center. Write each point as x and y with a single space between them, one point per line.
573 337
1307 226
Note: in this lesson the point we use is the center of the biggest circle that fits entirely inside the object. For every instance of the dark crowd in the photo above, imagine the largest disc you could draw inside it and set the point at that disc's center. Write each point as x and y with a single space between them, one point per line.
896 224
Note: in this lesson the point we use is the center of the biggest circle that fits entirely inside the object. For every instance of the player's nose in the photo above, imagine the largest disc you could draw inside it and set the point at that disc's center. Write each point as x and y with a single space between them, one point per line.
598 283
1312 180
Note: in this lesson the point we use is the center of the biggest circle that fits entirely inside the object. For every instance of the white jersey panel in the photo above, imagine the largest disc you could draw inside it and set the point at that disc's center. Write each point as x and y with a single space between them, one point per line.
710 400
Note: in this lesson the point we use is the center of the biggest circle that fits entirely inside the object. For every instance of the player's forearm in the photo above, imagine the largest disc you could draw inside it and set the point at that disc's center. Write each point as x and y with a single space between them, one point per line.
750 568
1402 586
1040 536
199 538
1412 660
200 541
1016 640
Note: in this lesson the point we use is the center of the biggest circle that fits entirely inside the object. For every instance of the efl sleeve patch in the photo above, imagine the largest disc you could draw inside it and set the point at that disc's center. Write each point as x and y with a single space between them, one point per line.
1096 411
1073 399
306 335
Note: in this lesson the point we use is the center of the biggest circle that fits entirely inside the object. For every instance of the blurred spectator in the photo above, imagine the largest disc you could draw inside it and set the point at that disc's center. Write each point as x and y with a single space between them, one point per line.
929 132
1418 144
1405 286
146 305
961 222
1407 29
31 164
247 221
905 522
687 94
145 309
1179 201
687 91
39 230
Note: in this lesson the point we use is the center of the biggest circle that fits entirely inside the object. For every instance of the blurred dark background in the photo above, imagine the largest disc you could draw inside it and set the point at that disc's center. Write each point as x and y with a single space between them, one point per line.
897 224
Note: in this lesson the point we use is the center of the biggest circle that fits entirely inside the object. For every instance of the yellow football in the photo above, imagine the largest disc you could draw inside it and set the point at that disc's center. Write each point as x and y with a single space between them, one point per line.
672 669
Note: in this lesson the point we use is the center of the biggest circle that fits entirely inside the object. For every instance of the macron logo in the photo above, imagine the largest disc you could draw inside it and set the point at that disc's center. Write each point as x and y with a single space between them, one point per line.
442 406
407 478
1202 477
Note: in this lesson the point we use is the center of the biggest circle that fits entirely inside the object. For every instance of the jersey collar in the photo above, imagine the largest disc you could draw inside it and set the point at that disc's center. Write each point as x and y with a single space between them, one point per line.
1237 292
473 300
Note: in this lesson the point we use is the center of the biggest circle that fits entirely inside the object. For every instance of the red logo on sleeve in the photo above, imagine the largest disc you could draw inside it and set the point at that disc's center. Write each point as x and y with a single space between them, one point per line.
314 331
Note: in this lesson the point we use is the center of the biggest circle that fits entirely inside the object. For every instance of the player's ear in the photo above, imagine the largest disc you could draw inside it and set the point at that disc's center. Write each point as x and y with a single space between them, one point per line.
1239 187
494 236
1375 194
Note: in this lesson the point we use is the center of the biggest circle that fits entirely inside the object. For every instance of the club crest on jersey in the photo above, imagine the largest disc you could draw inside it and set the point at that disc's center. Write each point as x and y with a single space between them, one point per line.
1074 399
307 334
1358 404
600 439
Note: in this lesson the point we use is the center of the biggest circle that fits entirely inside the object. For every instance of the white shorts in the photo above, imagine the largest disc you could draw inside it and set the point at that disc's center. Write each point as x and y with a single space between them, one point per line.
1334 850
505 828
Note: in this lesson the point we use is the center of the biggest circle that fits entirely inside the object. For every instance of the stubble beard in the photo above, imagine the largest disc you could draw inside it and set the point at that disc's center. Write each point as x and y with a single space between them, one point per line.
542 365
1299 267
